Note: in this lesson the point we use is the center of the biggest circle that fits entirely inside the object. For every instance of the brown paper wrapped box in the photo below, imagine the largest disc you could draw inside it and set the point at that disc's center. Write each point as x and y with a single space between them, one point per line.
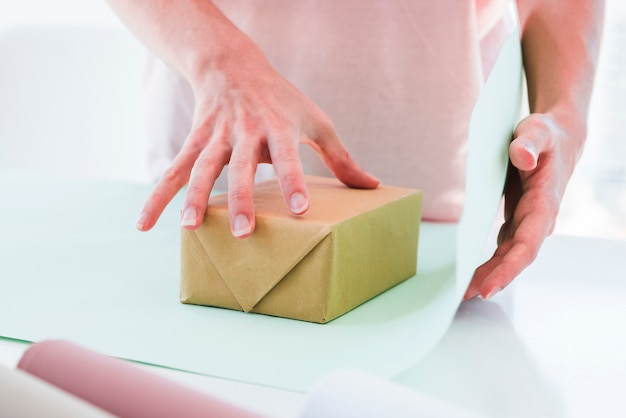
350 246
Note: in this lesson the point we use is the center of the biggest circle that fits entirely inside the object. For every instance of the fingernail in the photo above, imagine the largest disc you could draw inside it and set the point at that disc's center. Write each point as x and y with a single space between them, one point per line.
470 295
298 203
241 226
190 217
531 150
140 223
492 293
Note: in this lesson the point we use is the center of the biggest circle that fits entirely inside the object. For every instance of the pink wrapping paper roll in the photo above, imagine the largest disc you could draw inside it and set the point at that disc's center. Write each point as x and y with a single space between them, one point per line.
117 386
23 395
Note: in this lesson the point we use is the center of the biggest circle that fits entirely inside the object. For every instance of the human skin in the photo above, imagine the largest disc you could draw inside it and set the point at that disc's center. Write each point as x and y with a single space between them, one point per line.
560 43
246 113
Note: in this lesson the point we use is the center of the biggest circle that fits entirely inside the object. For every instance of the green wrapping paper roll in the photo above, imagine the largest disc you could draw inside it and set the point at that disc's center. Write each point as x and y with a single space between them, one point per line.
23 395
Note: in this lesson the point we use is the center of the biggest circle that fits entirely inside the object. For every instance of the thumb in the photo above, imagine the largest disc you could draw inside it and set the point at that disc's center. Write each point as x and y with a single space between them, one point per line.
342 165
523 154
348 171
530 140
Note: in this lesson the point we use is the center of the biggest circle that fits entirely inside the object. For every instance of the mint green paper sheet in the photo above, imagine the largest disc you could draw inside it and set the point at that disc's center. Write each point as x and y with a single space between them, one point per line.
72 266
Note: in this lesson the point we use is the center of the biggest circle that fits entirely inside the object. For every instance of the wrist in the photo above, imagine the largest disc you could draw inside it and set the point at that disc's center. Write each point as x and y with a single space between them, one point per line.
221 63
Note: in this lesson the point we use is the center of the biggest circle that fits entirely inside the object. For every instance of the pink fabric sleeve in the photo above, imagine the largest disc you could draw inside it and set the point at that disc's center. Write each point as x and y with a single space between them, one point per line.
398 79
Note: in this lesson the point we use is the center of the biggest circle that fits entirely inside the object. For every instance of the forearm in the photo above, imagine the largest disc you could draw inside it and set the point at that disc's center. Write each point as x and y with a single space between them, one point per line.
191 36
560 40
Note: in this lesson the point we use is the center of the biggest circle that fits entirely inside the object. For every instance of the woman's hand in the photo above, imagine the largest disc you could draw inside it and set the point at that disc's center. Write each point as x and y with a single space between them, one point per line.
543 155
560 57
246 114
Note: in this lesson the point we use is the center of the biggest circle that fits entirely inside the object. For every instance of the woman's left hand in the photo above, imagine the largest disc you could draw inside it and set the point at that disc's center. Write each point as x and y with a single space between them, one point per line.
543 154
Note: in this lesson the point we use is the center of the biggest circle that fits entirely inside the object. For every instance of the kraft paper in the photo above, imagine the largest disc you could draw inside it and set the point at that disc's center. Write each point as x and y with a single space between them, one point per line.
349 247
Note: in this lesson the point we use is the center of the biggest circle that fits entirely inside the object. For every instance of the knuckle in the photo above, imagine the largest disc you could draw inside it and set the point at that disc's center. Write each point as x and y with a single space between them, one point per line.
344 159
288 180
242 165
158 199
553 211
239 197
173 175
325 128
197 194
341 162
207 167
531 254
277 122
536 120
197 140
287 154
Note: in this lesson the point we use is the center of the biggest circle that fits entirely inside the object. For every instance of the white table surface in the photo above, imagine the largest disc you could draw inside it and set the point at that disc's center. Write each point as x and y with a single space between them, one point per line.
553 344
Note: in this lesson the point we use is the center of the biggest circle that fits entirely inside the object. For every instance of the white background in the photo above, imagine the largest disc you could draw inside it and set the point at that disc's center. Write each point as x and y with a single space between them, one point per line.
595 203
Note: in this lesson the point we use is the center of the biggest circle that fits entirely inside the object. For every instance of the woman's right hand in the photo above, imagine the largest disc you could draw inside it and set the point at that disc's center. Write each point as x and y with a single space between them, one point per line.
246 113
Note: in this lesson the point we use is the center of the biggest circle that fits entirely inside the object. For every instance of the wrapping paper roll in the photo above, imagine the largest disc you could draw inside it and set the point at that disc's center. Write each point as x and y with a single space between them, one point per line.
117 386
23 395
351 393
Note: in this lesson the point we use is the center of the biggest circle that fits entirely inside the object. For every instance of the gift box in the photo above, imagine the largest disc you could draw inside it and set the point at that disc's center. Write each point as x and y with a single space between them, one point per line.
350 246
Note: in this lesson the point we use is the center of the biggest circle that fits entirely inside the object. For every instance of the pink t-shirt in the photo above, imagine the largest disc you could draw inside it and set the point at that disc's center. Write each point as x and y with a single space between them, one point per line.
398 78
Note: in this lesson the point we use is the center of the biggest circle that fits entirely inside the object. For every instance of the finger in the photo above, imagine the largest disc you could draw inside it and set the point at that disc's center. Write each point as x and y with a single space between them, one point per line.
241 170
286 161
473 290
172 180
511 257
205 171
523 154
495 274
332 151
532 137
501 272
